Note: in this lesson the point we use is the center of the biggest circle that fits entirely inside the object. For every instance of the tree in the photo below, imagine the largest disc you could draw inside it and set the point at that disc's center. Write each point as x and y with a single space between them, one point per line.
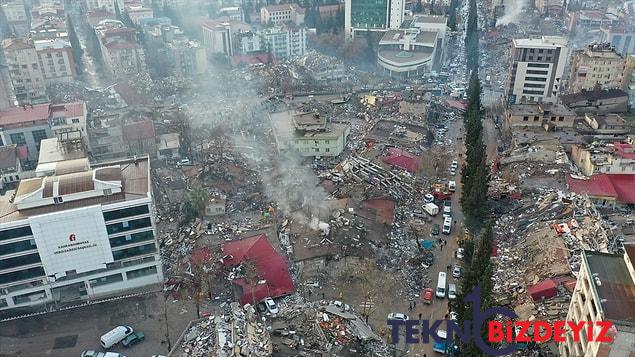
419 6
194 207
76 47
454 4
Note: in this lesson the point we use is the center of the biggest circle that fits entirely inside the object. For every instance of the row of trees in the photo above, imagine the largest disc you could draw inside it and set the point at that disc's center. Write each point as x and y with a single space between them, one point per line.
333 24
454 6
471 38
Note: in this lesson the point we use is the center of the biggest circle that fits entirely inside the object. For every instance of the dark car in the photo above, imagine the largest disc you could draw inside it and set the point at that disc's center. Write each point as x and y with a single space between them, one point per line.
133 338
435 229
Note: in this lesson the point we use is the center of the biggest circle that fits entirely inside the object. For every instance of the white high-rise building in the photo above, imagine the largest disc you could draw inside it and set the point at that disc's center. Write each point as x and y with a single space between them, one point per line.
372 15
537 69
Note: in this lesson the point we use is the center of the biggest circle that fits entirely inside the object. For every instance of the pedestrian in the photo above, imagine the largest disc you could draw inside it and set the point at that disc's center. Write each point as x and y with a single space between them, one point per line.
441 247
447 268
420 316
455 222
414 304
322 296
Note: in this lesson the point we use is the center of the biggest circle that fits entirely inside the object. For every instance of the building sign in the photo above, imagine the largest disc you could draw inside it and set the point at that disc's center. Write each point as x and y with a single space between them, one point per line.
72 240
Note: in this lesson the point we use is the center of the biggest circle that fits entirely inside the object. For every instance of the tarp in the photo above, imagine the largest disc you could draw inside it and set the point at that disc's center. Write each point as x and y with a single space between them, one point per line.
426 244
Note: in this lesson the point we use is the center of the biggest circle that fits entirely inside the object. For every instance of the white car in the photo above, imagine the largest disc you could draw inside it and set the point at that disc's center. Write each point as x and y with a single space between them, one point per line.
460 253
455 164
452 185
451 291
397 316
428 198
271 306
456 271
453 316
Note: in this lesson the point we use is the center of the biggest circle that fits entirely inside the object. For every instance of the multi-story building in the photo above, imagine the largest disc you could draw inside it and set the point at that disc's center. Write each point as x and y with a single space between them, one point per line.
247 42
234 13
605 291
83 232
621 37
407 52
56 60
94 17
25 72
49 28
549 7
282 14
27 126
10 167
285 41
594 65
588 20
7 97
628 80
122 55
616 158
607 126
537 69
137 13
218 35
17 19
104 5
597 101
372 15
546 115
180 56
308 134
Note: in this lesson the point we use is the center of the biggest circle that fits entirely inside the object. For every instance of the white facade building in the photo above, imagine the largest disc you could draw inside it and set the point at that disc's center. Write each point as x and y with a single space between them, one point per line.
284 42
82 233
537 69
25 72
16 16
281 14
56 60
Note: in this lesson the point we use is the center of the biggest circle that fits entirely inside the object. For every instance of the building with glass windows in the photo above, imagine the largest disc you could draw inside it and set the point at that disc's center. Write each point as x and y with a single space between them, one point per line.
372 15
82 232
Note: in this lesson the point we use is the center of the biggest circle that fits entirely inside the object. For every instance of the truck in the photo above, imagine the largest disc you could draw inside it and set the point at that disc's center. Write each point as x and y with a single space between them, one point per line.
440 191
426 295
115 336
431 209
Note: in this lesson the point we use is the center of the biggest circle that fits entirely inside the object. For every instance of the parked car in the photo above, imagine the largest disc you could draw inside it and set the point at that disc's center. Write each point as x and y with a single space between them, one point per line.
453 316
451 291
460 253
428 259
447 207
455 164
133 338
435 229
271 306
453 172
101 354
397 316
456 271
452 186
115 336
426 296
428 198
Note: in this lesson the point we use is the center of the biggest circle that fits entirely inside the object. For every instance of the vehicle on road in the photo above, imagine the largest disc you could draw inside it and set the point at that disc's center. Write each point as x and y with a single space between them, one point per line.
115 336
101 354
440 293
436 229
428 198
453 172
456 271
452 185
397 316
453 315
426 295
271 306
455 164
447 225
460 253
431 209
447 207
133 339
441 346
451 291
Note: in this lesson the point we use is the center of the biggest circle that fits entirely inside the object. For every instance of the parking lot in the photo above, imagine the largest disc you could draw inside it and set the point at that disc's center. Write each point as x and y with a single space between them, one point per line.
68 333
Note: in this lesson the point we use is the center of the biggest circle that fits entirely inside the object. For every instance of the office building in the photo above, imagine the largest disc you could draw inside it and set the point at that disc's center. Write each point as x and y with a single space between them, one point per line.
595 65
285 41
537 69
25 72
56 60
218 35
372 15
605 291
84 232
282 14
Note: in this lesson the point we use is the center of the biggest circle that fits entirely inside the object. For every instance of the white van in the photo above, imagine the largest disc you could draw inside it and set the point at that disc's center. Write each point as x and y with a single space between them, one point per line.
115 336
447 225
441 286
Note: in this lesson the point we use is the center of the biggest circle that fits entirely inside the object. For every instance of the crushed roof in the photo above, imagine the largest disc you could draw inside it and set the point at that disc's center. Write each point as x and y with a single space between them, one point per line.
618 186
403 159
591 95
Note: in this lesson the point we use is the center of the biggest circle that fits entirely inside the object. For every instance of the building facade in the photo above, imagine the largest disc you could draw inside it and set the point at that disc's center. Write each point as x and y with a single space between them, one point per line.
79 235
308 134
613 159
17 18
372 15
537 69
547 115
621 37
218 36
121 54
282 14
56 60
597 64
24 70
407 52
285 41
10 168
604 291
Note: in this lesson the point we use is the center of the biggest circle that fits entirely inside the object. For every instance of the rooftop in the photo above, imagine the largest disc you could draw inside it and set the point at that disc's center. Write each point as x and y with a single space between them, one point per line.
617 186
16 44
134 178
51 44
591 95
284 7
39 112
8 157
544 42
431 19
615 290
540 109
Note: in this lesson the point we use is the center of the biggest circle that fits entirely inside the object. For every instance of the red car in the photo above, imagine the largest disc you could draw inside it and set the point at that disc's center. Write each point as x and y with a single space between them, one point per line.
426 295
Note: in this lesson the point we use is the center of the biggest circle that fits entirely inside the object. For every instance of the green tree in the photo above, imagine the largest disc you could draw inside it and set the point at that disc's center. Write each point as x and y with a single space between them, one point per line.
194 207
76 47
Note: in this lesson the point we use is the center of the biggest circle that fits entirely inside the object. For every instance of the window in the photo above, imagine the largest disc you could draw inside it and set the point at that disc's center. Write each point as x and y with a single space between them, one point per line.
58 200
75 120
536 118
560 118
141 272
316 149
38 135
327 150
525 118
17 247
30 297
3 303
19 261
21 275
553 118
532 92
17 138
108 192
126 212
15 233
536 79
134 251
529 71
131 238
534 85
106 280
130 225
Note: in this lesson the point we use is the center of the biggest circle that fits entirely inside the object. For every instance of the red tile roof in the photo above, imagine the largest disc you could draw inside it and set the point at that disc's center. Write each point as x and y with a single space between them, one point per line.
384 209
543 290
457 104
403 159
621 187
270 266
41 112
596 185
139 130
626 151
